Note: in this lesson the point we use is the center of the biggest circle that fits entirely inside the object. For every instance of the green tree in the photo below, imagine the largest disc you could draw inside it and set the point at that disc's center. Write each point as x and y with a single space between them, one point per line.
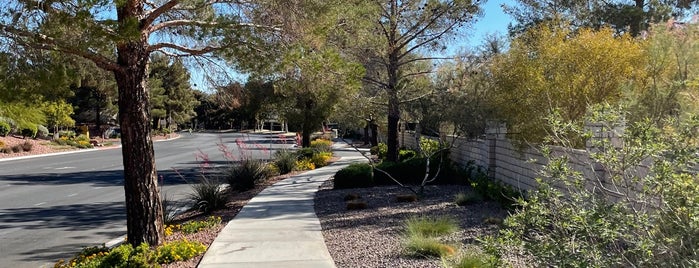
402 33
119 36
624 16
550 68
58 114
173 98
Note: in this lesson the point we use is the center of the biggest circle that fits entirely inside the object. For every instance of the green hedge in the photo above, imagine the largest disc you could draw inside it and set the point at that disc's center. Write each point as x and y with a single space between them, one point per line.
354 176
412 171
4 129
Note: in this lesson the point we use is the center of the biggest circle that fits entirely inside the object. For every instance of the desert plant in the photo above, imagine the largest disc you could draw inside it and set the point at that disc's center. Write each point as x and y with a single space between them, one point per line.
357 175
17 148
379 150
180 250
475 260
321 159
4 129
430 227
207 195
27 146
170 207
322 145
5 150
248 173
641 213
42 132
426 247
468 198
285 161
305 164
69 134
196 226
305 153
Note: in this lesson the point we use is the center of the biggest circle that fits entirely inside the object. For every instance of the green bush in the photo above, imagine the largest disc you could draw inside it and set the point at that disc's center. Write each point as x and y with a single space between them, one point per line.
285 161
196 226
421 237
4 129
42 132
305 153
356 175
380 150
406 154
305 164
28 130
207 195
181 250
322 145
497 191
426 247
123 256
476 260
412 171
66 133
321 159
247 174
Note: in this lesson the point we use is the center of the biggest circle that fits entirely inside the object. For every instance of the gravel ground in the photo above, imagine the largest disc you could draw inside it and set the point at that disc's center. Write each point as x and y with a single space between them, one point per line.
371 237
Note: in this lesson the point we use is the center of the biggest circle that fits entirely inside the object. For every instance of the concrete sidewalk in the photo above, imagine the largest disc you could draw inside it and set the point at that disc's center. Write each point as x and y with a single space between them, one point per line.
278 227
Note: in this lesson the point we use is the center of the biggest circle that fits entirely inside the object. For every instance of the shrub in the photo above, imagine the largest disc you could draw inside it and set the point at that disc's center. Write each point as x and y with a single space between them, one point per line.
321 159
285 161
305 164
357 175
42 132
412 171
69 134
169 209
4 128
430 227
207 195
406 154
180 250
305 153
322 145
426 247
122 256
28 130
380 150
497 191
247 174
196 226
5 150
429 146
17 148
476 260
27 146
467 198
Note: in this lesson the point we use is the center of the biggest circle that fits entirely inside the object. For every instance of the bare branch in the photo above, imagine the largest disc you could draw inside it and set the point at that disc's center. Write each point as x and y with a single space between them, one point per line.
417 98
153 14
190 51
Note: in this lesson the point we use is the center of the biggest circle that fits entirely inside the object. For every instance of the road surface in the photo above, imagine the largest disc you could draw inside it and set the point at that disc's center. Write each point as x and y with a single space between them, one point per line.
53 206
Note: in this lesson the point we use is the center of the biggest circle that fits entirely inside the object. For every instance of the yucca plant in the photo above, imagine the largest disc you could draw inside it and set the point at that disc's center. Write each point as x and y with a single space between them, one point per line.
208 195
247 174
285 161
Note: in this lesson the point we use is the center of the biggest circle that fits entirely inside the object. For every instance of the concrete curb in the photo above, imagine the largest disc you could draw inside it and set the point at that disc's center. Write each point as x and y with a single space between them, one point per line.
73 152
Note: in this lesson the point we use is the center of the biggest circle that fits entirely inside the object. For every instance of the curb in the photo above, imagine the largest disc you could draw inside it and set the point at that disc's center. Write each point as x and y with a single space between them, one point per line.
74 151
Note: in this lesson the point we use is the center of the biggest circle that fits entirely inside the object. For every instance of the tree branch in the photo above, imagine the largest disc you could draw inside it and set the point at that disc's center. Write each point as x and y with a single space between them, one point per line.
190 51
153 14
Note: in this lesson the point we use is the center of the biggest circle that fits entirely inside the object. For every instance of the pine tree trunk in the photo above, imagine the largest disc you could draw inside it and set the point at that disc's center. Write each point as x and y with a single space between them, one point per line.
144 216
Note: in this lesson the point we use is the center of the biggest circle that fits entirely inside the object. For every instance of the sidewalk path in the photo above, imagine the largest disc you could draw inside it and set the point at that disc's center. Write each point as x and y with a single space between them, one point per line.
278 227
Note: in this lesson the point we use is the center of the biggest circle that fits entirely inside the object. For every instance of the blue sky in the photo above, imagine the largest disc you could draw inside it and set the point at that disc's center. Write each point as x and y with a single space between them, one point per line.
493 21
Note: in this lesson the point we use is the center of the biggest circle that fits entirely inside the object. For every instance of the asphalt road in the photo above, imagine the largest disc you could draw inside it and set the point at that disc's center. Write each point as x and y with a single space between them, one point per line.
52 206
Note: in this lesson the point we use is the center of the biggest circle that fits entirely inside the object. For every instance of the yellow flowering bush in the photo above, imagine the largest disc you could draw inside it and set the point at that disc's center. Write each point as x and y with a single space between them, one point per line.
179 251
305 164
321 159
322 145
